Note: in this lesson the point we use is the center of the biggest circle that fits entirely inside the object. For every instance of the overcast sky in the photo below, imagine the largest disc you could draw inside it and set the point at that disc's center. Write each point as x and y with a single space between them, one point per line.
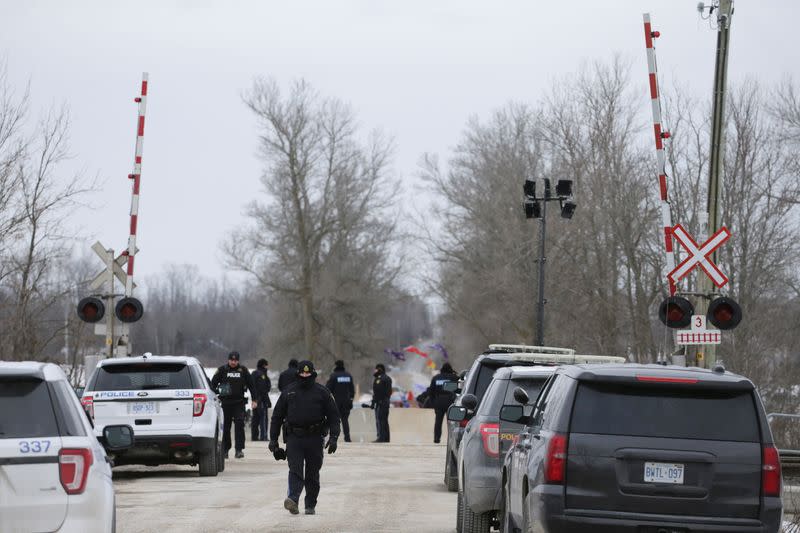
415 68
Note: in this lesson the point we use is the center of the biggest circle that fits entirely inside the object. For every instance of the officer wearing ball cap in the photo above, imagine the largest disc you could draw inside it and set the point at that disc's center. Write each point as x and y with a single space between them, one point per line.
231 381
308 413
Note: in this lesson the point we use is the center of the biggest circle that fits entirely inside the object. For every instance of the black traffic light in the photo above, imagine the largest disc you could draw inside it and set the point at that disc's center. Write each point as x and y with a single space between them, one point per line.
91 310
724 313
676 312
129 310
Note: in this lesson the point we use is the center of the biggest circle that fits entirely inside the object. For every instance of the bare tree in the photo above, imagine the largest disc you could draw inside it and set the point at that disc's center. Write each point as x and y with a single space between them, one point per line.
322 237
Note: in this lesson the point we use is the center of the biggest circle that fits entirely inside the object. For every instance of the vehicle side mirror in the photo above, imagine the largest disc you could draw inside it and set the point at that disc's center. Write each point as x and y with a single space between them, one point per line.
470 401
451 386
514 413
521 395
456 413
118 438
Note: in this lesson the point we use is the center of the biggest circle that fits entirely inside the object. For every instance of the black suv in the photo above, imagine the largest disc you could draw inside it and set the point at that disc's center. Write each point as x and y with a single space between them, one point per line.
643 449
480 376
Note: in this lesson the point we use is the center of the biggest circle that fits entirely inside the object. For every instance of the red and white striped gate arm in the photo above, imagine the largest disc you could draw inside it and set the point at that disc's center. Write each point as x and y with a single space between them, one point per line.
136 177
660 135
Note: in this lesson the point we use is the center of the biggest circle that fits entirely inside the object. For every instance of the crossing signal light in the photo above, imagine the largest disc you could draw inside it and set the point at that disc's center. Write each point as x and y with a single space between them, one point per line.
676 312
91 310
724 313
129 310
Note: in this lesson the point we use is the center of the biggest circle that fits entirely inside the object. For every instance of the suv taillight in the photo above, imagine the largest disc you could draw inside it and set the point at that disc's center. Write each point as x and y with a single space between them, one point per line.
73 469
88 405
490 434
556 461
199 404
464 423
771 472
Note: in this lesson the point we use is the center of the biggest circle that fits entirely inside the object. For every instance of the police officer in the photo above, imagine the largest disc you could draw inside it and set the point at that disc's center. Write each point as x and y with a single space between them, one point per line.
441 399
341 386
309 413
288 376
230 382
262 384
381 393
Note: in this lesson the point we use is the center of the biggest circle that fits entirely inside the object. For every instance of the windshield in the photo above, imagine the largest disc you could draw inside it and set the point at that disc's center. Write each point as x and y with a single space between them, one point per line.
143 376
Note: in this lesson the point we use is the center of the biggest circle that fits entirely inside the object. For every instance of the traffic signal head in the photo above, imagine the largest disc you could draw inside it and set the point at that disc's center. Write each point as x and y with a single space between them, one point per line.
129 310
91 310
676 312
724 313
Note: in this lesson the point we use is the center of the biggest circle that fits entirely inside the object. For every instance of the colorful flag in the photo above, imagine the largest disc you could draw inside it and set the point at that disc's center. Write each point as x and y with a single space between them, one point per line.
441 349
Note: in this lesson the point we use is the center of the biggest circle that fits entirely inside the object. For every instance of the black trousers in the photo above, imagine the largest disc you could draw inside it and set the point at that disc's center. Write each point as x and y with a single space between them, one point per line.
259 425
382 420
234 414
304 455
344 415
437 425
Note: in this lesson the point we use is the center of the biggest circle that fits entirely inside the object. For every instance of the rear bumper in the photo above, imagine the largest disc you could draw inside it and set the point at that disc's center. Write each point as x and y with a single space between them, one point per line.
576 521
164 449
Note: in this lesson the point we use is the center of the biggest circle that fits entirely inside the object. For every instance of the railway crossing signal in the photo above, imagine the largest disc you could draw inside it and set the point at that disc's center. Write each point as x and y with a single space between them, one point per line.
699 255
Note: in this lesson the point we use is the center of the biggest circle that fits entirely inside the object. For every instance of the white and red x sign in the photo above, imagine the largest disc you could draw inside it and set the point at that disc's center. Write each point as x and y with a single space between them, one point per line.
698 255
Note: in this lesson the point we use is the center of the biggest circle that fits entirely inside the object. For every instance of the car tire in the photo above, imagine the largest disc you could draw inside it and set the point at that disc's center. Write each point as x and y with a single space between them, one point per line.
220 457
527 521
476 522
506 522
460 513
208 461
450 480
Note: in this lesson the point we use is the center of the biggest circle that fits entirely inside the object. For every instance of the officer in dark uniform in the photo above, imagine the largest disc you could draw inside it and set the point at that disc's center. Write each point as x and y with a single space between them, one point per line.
341 386
441 399
288 376
309 413
230 382
262 384
381 393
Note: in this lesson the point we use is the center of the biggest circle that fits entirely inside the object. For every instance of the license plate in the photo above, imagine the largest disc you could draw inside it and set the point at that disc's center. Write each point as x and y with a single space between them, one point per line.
663 473
142 408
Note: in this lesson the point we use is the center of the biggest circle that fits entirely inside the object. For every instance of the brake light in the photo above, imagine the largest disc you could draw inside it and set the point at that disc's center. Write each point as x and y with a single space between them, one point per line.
199 404
490 435
659 379
556 462
73 469
771 472
88 405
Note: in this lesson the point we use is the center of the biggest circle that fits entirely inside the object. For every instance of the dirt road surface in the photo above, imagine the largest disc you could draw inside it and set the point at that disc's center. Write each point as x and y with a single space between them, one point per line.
365 488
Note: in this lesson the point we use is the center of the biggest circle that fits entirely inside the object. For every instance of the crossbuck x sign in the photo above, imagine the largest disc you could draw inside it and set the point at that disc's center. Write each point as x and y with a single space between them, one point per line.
698 255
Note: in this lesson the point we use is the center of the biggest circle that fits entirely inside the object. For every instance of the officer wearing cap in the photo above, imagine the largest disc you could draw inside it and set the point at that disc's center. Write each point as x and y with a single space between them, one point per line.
308 412
231 381
341 386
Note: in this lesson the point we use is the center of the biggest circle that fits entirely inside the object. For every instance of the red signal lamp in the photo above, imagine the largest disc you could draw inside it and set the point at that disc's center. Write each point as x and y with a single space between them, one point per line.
91 310
129 310
724 313
676 312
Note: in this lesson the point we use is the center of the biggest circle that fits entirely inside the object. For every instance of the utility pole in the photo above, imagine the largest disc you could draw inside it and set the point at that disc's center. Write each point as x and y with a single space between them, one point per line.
706 356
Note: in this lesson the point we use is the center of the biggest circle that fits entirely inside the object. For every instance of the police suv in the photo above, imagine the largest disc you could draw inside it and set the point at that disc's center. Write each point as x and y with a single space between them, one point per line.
54 474
168 401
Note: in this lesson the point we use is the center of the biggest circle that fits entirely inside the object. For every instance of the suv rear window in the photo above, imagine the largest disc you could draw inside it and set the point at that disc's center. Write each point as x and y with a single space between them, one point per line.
26 410
669 413
142 376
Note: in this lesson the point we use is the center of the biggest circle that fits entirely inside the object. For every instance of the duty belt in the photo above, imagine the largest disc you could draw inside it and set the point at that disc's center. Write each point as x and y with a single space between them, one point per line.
305 431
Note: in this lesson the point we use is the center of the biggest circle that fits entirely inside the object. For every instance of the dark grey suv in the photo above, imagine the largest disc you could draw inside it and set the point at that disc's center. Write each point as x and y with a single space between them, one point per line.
486 441
643 449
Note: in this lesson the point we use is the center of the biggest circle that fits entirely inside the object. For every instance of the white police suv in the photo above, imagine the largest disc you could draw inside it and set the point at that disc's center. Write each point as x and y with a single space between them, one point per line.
54 474
168 401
